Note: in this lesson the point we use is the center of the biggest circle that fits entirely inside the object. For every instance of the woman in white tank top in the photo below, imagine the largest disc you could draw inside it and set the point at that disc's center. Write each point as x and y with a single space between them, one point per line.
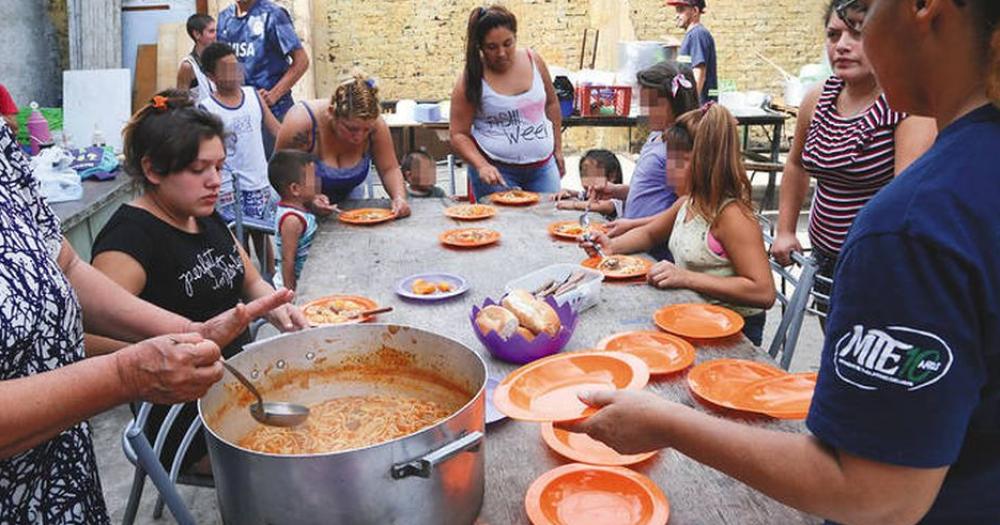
505 117
190 77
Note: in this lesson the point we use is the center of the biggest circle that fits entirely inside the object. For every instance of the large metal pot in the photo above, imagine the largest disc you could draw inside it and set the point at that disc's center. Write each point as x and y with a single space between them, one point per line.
435 476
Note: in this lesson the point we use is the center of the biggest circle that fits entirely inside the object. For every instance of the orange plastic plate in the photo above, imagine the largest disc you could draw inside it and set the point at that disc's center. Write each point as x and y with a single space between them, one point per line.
362 303
583 448
783 397
578 494
698 321
640 271
571 230
515 198
367 216
720 381
452 238
470 212
546 389
663 353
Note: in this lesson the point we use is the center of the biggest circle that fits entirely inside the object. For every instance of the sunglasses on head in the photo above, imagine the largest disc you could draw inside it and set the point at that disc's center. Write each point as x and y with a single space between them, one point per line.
852 13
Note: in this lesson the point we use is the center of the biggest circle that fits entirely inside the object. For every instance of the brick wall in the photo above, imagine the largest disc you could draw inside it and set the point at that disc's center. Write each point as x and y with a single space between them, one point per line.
415 48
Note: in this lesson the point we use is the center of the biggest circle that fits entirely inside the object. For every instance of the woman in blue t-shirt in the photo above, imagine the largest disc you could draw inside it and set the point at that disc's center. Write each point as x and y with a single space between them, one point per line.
905 418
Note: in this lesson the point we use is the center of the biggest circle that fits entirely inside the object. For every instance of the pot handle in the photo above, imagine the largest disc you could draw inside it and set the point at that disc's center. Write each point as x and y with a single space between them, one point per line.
424 466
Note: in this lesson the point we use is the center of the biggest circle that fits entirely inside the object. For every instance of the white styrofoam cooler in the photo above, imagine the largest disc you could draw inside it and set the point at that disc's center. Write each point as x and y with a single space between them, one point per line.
584 296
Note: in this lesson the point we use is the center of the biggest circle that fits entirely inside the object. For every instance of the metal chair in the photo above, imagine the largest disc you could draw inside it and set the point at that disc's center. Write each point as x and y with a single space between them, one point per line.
794 305
146 459
243 226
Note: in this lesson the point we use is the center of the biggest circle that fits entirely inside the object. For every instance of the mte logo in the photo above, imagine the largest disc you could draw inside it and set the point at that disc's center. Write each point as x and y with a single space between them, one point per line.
896 356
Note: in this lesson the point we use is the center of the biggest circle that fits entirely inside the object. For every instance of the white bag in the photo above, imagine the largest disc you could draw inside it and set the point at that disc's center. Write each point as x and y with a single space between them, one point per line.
59 182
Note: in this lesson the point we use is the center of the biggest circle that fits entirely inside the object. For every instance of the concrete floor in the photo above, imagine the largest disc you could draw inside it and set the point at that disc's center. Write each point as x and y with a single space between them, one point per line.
117 473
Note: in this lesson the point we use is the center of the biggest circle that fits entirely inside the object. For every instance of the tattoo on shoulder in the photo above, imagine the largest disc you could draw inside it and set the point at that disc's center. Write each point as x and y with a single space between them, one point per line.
301 140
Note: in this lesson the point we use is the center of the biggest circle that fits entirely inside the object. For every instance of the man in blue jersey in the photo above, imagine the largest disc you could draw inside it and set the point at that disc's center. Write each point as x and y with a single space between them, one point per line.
699 46
272 55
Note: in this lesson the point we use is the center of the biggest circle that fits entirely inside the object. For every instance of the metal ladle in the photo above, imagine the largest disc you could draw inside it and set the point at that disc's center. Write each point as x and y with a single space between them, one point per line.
273 413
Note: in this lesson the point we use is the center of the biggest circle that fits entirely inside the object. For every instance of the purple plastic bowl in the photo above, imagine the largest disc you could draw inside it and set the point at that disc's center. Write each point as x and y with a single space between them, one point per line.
517 349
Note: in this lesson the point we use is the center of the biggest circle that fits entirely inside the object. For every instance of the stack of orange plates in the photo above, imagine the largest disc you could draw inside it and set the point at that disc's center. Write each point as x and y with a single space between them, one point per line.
576 494
698 321
663 353
583 448
546 390
364 216
753 387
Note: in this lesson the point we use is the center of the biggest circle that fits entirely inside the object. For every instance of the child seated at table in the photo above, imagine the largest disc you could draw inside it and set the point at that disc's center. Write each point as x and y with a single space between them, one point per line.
420 173
598 169
293 175
711 230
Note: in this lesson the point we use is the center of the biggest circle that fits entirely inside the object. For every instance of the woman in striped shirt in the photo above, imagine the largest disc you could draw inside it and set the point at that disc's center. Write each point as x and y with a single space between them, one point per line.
849 138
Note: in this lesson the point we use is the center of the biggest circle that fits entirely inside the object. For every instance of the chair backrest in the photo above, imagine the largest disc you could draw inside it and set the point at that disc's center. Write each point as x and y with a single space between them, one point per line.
793 304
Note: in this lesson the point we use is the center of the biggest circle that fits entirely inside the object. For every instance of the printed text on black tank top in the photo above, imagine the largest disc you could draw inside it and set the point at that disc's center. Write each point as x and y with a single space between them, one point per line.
221 269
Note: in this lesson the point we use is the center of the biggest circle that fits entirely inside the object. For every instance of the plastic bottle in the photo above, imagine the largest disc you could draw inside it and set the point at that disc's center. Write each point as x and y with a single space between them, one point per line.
38 130
97 139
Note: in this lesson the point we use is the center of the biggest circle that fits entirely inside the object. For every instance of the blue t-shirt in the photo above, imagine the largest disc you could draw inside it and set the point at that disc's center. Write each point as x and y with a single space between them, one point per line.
648 191
700 46
910 372
263 40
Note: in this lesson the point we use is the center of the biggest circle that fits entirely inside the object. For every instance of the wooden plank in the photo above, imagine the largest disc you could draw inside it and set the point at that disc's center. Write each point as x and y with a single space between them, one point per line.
144 86
370 261
171 45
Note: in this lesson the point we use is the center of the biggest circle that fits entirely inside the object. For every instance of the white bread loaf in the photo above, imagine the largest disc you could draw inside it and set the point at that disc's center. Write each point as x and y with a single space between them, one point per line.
533 314
497 319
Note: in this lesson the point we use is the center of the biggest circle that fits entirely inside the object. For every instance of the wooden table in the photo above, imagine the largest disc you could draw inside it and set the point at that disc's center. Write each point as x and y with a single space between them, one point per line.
370 261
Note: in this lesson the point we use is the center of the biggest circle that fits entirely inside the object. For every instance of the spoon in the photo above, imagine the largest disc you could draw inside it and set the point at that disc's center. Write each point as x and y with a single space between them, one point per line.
275 414
587 235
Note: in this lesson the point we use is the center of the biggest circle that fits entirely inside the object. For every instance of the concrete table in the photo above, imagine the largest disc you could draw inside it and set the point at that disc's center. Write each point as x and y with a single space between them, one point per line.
371 260
81 220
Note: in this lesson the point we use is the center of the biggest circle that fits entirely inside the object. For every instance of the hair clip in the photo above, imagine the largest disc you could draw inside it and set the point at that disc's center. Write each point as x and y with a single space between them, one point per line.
678 82
370 82
707 106
160 103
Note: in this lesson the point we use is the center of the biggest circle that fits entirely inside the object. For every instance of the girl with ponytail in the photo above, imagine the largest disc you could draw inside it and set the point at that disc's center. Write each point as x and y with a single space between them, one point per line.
505 117
711 230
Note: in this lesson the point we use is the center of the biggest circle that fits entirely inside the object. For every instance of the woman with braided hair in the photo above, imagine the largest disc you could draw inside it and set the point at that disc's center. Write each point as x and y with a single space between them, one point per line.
347 134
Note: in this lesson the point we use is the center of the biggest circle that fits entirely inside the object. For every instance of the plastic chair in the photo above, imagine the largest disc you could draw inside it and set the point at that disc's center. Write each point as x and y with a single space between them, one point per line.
146 459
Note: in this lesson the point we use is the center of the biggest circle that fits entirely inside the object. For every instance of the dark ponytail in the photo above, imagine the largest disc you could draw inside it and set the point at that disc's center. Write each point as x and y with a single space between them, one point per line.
664 77
482 20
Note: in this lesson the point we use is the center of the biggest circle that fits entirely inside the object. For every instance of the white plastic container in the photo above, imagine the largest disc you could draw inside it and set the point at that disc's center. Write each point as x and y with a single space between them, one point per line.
584 296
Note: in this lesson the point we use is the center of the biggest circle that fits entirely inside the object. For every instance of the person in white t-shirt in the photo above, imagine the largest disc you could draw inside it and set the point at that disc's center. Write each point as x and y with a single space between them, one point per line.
244 115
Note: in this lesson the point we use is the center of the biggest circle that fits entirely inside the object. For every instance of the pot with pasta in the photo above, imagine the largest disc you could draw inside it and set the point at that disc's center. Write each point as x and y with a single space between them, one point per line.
394 435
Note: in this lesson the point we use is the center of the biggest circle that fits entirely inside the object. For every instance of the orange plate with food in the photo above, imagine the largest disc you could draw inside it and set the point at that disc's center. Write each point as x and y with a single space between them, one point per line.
515 197
619 266
337 309
783 397
571 230
663 353
577 494
546 389
722 381
470 212
698 321
469 237
367 216
583 448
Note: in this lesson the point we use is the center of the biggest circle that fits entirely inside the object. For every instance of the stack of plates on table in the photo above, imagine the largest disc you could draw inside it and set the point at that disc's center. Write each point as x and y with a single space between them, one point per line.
753 387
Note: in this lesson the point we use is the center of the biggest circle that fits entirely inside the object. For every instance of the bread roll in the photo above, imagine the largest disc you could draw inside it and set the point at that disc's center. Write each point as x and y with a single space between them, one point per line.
496 319
533 314
528 335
